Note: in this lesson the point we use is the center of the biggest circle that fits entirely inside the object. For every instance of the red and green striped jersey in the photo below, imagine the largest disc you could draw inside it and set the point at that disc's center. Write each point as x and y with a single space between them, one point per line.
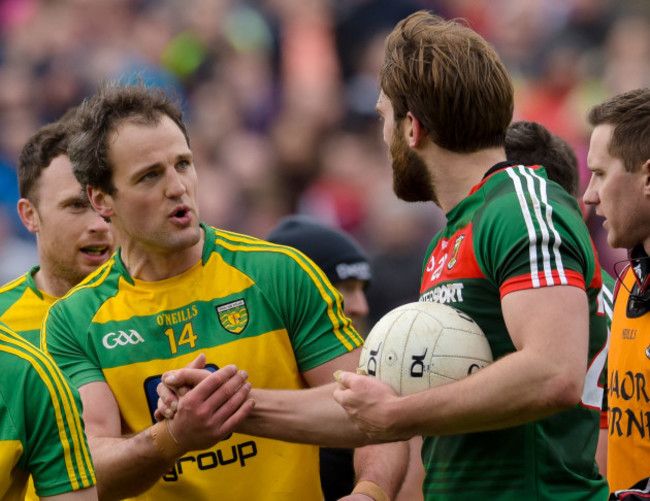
266 308
514 231
41 431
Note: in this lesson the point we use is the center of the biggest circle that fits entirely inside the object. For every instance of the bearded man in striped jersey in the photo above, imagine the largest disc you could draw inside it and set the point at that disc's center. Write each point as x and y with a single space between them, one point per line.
515 256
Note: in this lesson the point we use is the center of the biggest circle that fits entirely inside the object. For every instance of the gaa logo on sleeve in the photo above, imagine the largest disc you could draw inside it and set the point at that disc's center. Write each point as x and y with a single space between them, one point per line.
233 316
121 338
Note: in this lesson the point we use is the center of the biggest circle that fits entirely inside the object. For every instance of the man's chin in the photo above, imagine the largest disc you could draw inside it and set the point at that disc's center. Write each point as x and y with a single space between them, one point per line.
188 237
410 195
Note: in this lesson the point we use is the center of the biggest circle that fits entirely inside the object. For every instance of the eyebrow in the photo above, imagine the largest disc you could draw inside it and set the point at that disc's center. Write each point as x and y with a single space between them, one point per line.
156 165
73 199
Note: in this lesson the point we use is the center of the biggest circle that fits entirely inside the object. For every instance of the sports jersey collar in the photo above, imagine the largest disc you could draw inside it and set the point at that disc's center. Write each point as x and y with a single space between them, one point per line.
31 283
497 167
492 170
208 245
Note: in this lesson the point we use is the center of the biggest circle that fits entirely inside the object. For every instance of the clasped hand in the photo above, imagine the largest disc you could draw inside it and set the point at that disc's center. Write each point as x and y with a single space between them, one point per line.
203 407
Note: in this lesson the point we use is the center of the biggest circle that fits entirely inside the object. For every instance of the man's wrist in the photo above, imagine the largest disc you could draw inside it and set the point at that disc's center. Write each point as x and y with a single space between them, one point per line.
164 441
372 490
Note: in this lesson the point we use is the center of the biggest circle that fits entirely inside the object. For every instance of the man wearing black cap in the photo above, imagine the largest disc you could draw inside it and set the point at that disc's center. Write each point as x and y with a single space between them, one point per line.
338 255
346 265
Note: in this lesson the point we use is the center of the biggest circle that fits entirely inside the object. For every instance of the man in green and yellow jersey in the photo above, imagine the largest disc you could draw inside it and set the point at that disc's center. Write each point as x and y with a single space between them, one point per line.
177 289
72 239
41 432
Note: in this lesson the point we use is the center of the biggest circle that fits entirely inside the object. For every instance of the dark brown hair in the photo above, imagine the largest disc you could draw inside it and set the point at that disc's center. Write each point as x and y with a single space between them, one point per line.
101 114
450 79
38 152
629 113
530 143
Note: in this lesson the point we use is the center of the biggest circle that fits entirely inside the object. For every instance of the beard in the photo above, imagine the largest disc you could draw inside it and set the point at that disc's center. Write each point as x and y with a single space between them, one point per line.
412 180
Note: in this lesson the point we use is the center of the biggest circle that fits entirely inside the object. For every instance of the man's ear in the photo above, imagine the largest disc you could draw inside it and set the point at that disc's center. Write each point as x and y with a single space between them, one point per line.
101 202
413 130
645 168
29 215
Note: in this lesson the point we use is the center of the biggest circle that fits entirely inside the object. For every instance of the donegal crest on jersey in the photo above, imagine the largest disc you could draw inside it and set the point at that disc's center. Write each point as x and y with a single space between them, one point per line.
233 316
263 307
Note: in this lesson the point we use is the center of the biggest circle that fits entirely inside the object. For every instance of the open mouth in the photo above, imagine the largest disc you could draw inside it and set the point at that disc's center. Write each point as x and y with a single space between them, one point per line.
95 250
182 215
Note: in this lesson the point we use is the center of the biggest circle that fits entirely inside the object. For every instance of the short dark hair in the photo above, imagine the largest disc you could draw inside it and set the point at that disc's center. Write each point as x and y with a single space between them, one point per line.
37 154
450 79
530 143
101 114
629 113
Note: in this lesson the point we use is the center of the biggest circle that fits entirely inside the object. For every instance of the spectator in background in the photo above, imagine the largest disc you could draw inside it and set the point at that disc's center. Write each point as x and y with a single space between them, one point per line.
293 72
619 191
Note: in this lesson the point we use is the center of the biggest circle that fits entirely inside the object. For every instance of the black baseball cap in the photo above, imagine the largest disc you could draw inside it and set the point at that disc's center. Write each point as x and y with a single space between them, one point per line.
335 252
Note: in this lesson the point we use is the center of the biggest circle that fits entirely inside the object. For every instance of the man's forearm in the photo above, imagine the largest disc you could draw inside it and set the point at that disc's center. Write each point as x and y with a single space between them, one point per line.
308 416
384 465
128 466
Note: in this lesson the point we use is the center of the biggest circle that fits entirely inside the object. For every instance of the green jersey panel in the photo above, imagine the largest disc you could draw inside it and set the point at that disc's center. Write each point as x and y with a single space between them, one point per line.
23 306
264 307
41 431
516 231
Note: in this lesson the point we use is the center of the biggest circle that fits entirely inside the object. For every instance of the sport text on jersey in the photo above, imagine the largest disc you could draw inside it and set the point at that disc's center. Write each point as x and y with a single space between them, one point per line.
448 293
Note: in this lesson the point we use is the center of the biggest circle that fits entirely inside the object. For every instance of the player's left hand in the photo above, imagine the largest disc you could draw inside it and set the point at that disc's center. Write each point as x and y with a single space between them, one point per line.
369 403
176 384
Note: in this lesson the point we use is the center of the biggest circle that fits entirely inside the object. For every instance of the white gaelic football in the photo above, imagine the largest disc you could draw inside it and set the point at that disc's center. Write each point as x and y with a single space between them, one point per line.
421 345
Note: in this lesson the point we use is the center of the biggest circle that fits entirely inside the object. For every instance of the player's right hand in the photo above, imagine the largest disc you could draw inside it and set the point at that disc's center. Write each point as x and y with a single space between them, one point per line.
211 409
367 400
177 383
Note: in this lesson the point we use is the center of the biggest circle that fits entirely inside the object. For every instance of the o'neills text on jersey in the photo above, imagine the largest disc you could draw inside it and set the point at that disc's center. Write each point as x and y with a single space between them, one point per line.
177 316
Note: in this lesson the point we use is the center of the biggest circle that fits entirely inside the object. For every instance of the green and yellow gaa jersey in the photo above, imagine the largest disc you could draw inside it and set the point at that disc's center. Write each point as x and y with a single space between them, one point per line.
23 306
263 307
41 431
514 231
22 309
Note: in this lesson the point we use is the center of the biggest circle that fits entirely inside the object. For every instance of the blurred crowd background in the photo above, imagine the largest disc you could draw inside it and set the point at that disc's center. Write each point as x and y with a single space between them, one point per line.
279 98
